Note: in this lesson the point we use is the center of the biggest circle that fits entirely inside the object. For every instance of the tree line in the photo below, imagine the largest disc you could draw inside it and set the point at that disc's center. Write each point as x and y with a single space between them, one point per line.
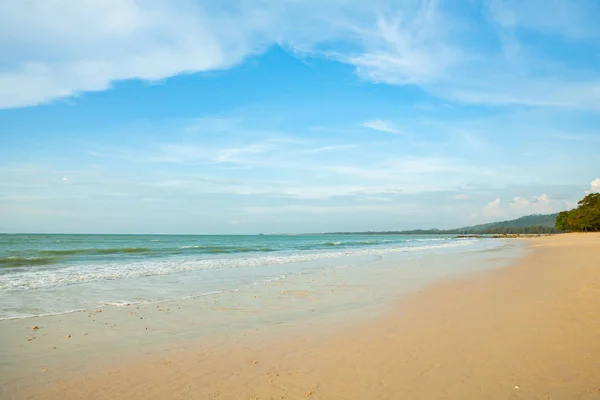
501 230
584 218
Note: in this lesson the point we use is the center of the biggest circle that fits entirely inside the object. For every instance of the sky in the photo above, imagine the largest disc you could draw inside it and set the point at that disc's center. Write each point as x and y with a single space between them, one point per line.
272 116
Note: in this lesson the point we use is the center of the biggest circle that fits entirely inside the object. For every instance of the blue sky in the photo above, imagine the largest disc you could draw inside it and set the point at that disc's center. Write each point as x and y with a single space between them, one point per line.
193 116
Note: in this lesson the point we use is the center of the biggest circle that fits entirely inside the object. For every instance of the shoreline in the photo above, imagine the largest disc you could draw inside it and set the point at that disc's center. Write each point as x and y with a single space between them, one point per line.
322 359
67 345
84 283
134 303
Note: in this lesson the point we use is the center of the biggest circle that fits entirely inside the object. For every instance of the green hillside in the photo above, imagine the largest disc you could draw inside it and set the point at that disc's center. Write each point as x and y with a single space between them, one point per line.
530 224
544 222
537 223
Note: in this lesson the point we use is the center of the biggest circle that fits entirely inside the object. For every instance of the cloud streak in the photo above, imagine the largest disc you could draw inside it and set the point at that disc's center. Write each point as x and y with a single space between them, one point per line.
382 126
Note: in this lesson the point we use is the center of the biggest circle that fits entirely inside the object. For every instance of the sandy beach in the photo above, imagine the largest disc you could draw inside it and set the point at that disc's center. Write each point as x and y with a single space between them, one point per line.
527 331
292 200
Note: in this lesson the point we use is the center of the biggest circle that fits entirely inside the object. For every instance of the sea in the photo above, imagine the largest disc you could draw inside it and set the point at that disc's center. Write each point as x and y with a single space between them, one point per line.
53 274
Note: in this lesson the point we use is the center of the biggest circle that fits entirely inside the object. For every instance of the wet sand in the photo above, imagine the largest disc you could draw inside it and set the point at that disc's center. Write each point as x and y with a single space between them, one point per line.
528 331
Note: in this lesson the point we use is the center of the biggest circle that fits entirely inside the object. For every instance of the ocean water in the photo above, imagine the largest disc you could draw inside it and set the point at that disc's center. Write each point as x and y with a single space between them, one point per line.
52 274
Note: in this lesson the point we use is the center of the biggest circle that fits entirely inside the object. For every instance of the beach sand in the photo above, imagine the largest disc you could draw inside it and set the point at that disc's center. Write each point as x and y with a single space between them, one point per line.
528 331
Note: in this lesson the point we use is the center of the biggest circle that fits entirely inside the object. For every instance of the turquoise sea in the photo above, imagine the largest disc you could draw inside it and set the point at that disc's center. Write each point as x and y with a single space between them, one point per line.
50 274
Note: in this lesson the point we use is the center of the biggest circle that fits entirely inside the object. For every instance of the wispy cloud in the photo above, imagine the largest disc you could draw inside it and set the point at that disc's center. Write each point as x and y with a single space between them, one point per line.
410 172
332 148
381 125
576 20
407 48
425 43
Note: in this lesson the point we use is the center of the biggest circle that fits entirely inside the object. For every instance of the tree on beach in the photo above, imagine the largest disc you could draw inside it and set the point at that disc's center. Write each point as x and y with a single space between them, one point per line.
584 218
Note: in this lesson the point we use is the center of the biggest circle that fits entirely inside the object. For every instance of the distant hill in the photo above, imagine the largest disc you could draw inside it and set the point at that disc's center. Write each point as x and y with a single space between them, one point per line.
537 223
545 221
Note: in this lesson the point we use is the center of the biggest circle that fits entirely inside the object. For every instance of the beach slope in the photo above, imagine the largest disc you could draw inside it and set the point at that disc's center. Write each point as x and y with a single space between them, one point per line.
528 331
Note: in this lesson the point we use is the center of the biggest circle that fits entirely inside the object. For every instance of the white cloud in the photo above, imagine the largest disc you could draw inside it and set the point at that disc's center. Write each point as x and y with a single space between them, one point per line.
407 48
58 49
519 202
381 125
594 186
536 205
432 47
543 204
493 209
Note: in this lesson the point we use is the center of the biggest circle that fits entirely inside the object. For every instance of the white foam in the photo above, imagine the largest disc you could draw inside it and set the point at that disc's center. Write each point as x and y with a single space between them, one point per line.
82 273
117 303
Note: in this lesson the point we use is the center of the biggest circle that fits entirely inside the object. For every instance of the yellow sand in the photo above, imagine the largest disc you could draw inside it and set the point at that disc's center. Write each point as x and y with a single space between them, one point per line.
529 331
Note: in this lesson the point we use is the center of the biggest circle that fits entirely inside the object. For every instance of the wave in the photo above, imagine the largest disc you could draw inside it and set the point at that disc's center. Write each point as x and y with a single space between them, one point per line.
50 255
15 262
373 242
226 249
42 257
117 250
83 273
